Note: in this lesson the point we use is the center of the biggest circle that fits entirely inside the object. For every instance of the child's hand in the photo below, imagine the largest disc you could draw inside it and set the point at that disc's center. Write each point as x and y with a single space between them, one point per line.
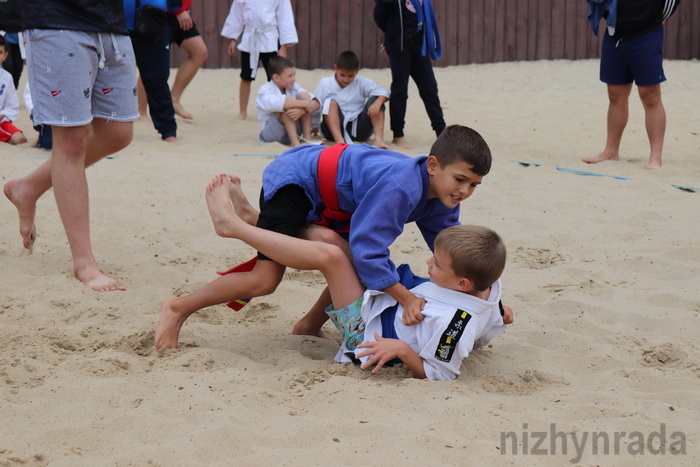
508 316
232 47
374 110
412 311
382 49
382 350
185 21
295 114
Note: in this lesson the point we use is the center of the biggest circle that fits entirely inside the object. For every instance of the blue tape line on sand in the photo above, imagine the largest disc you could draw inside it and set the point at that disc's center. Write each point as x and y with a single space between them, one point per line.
686 188
583 172
527 164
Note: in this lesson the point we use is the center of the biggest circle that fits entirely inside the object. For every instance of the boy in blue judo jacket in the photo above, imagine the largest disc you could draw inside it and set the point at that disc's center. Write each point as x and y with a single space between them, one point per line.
367 193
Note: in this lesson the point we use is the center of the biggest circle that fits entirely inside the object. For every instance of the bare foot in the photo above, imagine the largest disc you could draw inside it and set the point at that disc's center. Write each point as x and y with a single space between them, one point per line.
603 156
98 281
180 110
402 143
380 144
300 329
26 208
240 203
170 139
169 325
220 208
243 115
653 164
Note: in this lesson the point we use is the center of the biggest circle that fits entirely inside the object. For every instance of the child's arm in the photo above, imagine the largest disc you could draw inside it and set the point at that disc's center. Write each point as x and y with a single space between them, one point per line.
412 305
297 108
382 350
375 108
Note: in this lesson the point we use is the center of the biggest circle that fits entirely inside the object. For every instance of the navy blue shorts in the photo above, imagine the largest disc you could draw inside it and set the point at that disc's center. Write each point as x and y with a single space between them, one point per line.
638 60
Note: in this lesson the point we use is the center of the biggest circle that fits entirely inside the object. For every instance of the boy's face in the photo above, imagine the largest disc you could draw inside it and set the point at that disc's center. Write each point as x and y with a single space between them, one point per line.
441 273
453 183
287 79
343 76
3 54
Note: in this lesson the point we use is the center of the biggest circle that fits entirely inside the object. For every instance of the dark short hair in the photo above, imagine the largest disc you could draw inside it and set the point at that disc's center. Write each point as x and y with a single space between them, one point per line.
348 61
277 65
477 253
459 143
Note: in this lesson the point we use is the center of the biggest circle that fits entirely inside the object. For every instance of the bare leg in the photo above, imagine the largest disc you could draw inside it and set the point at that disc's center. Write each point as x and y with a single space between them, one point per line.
655 120
71 192
333 122
243 208
293 252
17 138
24 192
618 114
143 102
378 127
197 54
402 143
291 127
243 97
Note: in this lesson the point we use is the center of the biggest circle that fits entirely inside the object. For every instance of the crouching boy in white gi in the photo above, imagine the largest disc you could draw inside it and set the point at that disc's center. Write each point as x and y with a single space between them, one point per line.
463 309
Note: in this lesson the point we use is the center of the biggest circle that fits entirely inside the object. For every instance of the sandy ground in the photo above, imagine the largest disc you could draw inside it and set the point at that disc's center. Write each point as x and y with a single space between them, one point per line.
602 274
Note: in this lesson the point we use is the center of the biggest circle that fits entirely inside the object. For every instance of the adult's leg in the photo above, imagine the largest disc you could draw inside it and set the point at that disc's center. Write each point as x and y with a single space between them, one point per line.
618 114
400 64
71 145
197 54
104 139
655 120
153 61
424 77
143 102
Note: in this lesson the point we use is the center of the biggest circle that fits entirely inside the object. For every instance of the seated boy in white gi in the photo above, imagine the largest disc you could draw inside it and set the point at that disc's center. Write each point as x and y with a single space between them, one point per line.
284 108
352 105
463 308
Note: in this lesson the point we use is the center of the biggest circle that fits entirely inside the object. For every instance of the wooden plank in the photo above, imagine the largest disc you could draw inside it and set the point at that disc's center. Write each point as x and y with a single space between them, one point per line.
448 21
695 28
557 28
499 29
476 35
544 30
328 39
489 31
522 32
532 29
464 26
570 25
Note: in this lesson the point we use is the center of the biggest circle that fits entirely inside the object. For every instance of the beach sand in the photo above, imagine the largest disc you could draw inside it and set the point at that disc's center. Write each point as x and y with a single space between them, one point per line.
602 274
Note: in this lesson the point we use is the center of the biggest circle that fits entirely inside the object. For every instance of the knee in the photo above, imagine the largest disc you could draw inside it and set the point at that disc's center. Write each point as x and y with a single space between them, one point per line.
266 286
330 256
650 98
304 96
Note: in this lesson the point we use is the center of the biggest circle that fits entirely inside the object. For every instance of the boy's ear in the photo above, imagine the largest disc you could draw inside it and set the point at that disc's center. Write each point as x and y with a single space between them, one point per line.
465 284
335 67
432 164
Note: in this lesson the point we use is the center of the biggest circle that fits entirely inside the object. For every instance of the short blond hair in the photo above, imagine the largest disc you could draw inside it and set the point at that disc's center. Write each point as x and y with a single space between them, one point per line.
477 253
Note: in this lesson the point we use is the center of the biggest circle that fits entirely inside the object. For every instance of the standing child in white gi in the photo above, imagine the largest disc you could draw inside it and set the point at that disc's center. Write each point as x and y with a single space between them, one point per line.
353 106
258 28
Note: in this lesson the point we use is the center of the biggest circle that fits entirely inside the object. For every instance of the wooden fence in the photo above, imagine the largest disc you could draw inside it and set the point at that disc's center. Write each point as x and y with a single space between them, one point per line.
472 31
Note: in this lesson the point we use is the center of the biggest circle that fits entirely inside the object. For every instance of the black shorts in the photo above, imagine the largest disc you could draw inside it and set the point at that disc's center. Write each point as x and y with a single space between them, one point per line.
177 35
285 212
247 71
364 128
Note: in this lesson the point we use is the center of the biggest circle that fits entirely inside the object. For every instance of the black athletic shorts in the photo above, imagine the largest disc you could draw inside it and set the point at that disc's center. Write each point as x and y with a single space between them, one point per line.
285 212
177 35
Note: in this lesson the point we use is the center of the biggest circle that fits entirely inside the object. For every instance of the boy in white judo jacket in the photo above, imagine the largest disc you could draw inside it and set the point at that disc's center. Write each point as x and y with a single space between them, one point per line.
352 105
284 108
463 309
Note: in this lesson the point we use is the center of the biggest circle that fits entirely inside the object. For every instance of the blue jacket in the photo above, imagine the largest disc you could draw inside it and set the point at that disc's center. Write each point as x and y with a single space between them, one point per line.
383 190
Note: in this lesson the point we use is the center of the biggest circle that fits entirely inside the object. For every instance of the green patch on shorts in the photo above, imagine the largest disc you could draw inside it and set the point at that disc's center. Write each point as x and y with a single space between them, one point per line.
349 322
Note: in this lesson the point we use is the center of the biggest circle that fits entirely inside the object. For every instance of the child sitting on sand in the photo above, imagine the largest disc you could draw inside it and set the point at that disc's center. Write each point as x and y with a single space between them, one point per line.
284 108
463 294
